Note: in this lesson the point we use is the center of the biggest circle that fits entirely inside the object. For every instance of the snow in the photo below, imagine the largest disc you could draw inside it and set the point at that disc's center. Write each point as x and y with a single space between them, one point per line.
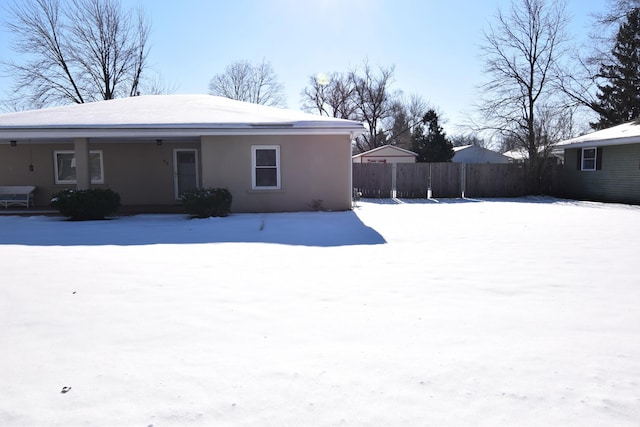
625 133
158 111
451 312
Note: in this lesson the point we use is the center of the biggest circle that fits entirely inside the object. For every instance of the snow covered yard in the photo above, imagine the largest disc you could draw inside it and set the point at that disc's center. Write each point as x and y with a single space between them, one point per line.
519 312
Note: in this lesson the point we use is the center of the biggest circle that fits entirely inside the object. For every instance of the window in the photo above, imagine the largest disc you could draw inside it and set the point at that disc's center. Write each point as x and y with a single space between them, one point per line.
588 159
265 167
65 167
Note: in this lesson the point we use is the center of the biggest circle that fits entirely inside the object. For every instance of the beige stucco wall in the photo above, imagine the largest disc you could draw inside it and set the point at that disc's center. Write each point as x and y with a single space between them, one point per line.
142 173
312 168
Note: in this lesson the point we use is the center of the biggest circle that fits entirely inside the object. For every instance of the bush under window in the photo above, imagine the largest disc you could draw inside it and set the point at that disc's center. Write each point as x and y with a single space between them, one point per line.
89 204
206 202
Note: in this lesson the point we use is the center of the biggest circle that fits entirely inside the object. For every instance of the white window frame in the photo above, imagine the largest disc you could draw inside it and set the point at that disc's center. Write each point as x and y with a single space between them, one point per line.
254 149
594 159
75 181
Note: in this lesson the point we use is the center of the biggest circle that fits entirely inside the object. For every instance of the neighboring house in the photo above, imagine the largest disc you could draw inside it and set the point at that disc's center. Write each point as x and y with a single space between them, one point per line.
477 154
150 149
520 155
604 165
386 154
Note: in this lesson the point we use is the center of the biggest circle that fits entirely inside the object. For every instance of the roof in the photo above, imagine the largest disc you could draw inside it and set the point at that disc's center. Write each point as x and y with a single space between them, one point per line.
166 116
462 147
523 154
626 133
384 147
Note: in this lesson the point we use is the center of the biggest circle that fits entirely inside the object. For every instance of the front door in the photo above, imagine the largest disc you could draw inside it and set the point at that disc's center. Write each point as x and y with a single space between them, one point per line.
185 165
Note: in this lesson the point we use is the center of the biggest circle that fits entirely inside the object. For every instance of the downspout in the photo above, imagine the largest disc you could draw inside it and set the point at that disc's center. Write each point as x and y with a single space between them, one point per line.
351 169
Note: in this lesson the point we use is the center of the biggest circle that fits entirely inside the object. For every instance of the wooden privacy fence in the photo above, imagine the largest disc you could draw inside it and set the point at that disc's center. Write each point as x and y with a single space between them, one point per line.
445 180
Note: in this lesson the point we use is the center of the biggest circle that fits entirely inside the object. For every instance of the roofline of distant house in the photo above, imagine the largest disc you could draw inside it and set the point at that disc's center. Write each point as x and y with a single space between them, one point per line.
367 153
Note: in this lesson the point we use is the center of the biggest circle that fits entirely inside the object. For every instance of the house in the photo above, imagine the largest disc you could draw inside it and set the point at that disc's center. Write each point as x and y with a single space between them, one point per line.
604 165
477 154
150 149
386 154
520 155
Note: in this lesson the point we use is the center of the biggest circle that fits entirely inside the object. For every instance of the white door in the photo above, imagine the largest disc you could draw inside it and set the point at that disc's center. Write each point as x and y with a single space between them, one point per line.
185 166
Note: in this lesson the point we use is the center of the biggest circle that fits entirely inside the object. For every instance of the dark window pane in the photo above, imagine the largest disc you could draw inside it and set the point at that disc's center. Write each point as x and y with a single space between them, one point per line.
266 177
266 157
66 167
94 167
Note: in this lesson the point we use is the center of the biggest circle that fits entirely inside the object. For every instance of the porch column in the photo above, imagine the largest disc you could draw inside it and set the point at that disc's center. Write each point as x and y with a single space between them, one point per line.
83 175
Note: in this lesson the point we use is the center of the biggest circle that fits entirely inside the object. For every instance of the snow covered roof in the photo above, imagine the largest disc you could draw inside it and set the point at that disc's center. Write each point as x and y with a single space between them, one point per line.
626 133
386 147
462 147
166 116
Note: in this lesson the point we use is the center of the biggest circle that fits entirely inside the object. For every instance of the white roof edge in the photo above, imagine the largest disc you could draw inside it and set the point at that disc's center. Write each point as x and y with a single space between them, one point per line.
597 142
158 132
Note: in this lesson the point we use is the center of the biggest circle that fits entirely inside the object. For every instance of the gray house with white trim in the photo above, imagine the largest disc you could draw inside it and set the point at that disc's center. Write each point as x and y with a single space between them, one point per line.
604 165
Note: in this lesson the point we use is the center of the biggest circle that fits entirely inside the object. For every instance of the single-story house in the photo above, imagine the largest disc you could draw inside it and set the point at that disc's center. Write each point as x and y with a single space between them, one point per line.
520 155
604 165
386 154
477 154
150 149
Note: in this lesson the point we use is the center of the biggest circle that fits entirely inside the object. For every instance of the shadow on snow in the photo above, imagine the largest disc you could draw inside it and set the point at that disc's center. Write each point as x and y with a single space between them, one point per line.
322 229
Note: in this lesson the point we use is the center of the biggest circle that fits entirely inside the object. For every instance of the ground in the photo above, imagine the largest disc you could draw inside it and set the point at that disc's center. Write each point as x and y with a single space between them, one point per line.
454 312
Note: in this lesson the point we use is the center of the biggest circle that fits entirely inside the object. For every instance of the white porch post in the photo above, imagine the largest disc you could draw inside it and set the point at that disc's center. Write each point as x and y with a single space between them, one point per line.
83 175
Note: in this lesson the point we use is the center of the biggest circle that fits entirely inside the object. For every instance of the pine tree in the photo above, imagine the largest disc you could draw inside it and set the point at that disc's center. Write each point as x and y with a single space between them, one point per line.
619 97
431 144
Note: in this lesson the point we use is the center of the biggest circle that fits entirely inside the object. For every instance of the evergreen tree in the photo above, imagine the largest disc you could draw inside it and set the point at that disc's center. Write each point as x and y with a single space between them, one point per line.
431 143
619 97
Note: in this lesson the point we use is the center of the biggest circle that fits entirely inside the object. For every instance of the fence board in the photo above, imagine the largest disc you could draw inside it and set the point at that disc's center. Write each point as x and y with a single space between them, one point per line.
412 180
373 179
495 180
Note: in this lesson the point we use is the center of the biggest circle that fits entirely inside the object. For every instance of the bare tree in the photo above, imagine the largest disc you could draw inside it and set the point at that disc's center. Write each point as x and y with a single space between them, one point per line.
405 116
331 95
521 53
76 51
366 95
375 103
255 83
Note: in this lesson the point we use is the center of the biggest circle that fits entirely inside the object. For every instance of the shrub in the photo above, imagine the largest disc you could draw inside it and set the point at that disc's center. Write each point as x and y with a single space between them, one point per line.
206 202
89 204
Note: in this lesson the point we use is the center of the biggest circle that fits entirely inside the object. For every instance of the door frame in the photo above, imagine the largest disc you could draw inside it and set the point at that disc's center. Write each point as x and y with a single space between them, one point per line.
175 169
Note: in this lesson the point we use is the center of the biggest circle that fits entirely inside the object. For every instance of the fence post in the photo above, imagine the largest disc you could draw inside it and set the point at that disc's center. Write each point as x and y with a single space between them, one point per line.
463 179
394 179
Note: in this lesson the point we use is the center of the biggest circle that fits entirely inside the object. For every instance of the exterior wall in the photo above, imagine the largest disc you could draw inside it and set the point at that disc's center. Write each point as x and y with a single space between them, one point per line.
14 168
617 181
312 168
142 173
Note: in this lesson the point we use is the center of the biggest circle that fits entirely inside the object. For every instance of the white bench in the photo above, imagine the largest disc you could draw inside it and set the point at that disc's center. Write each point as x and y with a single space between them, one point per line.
16 195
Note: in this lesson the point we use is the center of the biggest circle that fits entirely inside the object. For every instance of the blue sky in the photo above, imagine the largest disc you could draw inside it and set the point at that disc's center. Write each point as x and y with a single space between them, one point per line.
433 44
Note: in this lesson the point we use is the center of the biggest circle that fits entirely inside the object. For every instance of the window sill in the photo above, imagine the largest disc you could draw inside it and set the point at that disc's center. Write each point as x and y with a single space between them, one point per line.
266 190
